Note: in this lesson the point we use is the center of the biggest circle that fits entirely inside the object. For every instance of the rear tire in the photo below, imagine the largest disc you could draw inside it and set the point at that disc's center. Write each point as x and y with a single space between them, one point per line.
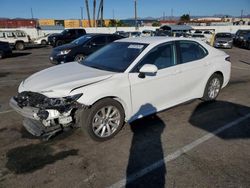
103 120
19 46
213 87
1 55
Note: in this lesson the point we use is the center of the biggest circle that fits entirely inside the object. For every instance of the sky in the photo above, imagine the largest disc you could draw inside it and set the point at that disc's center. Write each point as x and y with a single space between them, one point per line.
121 9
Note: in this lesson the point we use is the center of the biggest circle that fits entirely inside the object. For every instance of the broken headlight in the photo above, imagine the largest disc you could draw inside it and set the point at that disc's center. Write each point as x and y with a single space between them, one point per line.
55 102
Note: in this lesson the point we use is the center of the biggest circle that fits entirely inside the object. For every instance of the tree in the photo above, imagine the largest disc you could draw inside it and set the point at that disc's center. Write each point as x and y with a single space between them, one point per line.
156 24
185 18
117 23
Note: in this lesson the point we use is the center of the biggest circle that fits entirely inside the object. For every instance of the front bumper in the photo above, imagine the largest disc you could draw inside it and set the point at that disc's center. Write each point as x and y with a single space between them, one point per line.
27 112
32 122
60 59
222 45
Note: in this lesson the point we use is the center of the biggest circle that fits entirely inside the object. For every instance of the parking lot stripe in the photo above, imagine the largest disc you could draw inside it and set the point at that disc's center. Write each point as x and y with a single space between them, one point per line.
176 154
7 111
240 68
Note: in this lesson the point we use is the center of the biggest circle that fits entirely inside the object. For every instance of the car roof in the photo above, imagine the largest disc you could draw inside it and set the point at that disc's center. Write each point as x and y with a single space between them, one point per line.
102 34
153 40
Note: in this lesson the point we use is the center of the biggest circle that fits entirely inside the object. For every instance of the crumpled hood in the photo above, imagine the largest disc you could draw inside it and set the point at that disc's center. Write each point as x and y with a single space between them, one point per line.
59 81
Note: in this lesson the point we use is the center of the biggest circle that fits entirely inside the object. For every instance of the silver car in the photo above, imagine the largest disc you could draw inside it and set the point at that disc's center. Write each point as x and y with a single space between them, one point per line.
223 40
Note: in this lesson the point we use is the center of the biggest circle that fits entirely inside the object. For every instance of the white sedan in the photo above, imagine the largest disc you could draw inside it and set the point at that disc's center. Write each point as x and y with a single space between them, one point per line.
123 81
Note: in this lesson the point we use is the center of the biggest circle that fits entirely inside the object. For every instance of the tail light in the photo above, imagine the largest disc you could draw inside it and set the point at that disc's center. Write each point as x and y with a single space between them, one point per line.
228 58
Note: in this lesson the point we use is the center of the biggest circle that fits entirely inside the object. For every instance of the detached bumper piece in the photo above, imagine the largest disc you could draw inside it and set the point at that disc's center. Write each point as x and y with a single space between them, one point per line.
38 129
42 122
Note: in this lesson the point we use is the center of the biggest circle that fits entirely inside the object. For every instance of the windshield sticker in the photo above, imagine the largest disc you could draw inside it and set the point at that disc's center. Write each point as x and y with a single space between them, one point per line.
135 46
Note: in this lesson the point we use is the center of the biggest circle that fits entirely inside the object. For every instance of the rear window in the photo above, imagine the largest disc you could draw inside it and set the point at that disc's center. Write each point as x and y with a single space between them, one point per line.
191 51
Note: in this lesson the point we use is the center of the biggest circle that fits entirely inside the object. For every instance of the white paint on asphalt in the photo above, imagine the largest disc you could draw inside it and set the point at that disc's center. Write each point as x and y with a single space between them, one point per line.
240 68
176 154
7 111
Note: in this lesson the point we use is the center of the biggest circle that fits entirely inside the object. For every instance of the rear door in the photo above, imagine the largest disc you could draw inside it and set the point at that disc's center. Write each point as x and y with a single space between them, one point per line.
194 66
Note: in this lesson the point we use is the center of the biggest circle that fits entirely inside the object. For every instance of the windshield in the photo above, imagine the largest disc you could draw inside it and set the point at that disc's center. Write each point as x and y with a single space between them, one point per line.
64 31
115 57
223 35
82 39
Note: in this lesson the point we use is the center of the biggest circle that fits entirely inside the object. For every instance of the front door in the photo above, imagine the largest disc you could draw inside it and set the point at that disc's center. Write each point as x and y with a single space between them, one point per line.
156 92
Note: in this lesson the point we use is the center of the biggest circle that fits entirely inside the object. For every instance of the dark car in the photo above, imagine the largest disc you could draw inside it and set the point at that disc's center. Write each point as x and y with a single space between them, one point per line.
5 49
122 33
223 40
78 49
246 41
66 36
239 37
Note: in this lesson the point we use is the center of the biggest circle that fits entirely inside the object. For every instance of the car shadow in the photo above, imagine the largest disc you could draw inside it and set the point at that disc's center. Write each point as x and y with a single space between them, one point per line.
211 116
19 54
145 150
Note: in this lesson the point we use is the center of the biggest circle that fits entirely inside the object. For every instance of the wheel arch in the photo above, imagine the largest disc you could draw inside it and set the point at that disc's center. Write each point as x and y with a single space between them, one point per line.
19 41
219 73
119 100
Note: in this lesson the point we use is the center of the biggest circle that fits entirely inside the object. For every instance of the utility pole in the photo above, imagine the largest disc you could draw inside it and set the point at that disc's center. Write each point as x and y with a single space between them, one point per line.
31 11
136 15
81 13
94 7
87 7
102 13
172 12
241 14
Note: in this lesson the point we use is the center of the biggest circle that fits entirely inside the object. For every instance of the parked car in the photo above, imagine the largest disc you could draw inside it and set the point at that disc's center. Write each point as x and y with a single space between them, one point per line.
122 33
239 36
134 34
124 81
16 38
246 41
147 33
80 48
199 37
5 49
66 36
223 40
43 40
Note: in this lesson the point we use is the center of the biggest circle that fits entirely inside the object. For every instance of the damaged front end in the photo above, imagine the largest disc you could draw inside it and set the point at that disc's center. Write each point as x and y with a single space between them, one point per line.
46 116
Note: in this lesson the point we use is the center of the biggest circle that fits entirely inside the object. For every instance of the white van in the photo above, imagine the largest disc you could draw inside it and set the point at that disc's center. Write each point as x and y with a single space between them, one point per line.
16 38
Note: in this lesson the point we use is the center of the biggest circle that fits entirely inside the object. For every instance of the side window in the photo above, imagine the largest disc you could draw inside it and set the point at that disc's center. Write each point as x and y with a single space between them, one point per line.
20 34
81 32
112 38
162 57
10 35
101 40
71 32
191 51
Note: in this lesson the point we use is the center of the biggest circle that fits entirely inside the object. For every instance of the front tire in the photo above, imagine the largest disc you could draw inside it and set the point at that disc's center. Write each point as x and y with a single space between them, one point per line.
79 57
19 46
103 120
43 42
213 87
59 43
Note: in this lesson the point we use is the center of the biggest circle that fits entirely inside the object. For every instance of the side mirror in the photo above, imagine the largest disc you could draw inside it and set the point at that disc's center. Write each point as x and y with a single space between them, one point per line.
147 69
